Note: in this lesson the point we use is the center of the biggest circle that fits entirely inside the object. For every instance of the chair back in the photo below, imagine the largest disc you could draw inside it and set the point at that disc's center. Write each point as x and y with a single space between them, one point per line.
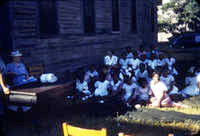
70 130
36 70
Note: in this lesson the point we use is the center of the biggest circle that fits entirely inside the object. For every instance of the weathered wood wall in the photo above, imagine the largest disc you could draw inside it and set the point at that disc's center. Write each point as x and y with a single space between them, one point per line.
71 48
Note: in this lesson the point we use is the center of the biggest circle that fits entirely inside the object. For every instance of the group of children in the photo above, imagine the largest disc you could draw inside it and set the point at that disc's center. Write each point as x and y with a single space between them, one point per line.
128 77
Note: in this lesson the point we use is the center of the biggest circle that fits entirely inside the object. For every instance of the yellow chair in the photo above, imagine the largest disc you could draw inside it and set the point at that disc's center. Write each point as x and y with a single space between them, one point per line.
70 130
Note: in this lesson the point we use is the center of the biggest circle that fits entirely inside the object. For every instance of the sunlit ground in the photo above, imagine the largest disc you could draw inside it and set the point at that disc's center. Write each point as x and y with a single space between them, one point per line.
186 119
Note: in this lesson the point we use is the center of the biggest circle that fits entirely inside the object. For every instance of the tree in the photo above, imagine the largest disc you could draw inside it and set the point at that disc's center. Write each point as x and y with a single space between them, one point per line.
180 16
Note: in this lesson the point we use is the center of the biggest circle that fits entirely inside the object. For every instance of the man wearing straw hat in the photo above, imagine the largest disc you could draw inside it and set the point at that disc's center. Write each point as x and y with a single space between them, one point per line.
18 70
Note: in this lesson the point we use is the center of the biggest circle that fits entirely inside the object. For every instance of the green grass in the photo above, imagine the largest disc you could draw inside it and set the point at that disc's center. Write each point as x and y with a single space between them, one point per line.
178 118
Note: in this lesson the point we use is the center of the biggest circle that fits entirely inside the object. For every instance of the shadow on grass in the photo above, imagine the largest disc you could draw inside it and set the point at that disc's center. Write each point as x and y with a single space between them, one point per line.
47 120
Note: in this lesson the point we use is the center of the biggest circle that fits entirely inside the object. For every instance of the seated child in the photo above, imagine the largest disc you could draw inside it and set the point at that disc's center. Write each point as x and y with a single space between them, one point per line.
91 74
135 61
142 91
141 72
141 51
116 85
128 89
110 59
169 80
152 62
101 86
129 53
81 84
193 89
123 61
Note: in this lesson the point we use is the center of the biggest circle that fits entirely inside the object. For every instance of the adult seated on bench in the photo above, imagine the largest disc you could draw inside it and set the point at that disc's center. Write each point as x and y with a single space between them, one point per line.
18 70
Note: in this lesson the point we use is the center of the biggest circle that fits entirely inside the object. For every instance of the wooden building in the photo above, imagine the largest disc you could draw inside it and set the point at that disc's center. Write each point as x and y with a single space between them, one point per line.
67 34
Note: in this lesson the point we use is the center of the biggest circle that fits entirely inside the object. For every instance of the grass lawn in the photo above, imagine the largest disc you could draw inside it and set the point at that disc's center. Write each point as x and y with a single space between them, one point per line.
175 118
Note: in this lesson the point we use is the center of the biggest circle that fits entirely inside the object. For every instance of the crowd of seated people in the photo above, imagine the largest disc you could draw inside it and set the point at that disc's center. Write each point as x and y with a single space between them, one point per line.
130 79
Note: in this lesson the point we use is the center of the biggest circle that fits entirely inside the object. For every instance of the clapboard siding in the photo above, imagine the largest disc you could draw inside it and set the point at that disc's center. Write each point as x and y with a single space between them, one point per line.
69 17
71 48
25 16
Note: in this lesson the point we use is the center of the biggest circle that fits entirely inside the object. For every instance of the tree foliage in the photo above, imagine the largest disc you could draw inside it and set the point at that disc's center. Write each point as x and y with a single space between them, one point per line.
182 16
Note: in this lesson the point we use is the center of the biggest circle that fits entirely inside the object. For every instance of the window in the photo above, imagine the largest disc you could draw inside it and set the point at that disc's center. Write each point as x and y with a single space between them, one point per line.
89 16
115 15
48 17
134 16
153 18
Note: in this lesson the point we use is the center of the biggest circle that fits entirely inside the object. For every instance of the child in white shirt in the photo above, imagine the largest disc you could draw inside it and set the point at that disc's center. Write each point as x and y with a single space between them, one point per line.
152 62
193 89
169 80
102 86
135 61
129 89
141 72
129 53
116 85
81 84
142 91
141 51
110 59
91 74
123 61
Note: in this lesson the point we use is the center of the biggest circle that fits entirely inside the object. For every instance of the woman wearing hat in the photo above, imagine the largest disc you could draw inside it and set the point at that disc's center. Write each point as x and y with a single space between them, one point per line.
18 70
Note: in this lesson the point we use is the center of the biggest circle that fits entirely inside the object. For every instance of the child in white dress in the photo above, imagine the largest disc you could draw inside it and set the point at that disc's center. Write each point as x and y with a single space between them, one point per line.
142 91
123 61
135 61
110 59
82 85
141 72
91 74
116 85
129 53
129 89
102 86
193 89
169 80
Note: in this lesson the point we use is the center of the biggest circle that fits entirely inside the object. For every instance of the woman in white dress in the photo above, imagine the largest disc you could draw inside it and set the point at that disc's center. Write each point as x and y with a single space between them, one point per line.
159 96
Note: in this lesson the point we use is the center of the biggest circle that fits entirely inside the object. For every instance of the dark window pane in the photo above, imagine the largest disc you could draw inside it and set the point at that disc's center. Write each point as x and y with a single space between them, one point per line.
115 15
48 18
134 16
89 17
153 18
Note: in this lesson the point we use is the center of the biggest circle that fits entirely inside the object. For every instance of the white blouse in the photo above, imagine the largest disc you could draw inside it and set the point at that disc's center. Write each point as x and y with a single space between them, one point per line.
158 88
115 86
82 87
123 63
128 90
90 74
134 62
101 88
110 61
